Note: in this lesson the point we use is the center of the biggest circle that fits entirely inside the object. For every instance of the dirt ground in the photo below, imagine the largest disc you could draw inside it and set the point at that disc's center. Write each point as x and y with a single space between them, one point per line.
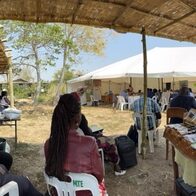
150 177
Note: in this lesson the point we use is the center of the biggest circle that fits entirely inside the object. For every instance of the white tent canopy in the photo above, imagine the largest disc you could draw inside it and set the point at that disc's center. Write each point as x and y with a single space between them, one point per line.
162 63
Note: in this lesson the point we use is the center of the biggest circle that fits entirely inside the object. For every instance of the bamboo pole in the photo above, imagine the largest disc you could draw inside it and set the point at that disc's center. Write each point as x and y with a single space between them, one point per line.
144 122
173 83
162 84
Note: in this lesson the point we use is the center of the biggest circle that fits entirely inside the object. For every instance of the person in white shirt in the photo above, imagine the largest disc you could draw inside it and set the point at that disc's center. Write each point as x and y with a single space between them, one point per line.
4 101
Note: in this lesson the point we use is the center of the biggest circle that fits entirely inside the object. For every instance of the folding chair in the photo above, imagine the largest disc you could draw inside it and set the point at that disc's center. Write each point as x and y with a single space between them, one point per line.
11 188
153 131
77 182
170 113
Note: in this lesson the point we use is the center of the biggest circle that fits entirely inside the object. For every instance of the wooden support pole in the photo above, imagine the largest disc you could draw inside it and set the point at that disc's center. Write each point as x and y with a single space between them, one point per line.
144 122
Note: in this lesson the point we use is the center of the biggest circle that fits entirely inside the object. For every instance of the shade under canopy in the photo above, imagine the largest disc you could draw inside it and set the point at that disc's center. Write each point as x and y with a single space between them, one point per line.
175 19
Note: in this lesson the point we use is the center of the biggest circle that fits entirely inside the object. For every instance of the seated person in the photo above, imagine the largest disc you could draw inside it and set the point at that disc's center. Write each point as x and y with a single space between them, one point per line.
107 144
124 94
182 100
68 151
130 90
4 101
24 185
152 107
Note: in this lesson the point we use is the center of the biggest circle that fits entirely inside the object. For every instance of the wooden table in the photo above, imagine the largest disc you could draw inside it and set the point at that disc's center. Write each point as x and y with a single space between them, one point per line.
179 142
10 122
183 155
107 99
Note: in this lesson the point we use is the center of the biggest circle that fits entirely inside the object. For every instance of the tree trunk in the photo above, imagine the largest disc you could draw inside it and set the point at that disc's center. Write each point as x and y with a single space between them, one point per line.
38 73
61 80
60 83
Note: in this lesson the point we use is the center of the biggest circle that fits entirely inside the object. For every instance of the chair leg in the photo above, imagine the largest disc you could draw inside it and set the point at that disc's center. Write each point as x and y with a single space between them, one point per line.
121 107
139 141
167 149
151 142
157 137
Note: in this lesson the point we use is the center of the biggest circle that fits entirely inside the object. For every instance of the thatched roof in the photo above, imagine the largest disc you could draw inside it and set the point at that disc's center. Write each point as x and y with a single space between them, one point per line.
3 59
175 19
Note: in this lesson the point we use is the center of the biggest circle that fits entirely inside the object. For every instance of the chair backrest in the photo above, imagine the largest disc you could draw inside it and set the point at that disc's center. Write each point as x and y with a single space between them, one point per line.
10 188
138 120
154 98
131 99
92 98
77 182
121 99
176 112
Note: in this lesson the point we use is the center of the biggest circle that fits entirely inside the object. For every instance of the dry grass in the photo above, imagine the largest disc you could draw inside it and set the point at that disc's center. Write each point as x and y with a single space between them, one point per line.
152 176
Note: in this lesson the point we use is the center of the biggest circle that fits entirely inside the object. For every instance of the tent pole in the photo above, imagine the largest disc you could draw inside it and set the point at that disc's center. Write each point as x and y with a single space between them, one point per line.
173 84
144 122
131 81
109 87
162 84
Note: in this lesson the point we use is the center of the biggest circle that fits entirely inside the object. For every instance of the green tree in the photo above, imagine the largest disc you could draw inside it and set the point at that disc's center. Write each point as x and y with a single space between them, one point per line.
78 39
36 46
26 74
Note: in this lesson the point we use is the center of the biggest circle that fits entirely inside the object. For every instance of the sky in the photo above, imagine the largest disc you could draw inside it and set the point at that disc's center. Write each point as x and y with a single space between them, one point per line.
118 47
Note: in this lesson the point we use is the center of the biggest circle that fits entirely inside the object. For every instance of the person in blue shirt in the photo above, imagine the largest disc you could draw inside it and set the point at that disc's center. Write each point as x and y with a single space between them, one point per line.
124 93
152 107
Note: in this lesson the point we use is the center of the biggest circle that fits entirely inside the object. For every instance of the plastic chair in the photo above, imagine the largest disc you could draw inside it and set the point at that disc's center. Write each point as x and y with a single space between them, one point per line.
170 113
154 98
10 188
102 158
94 101
121 102
164 104
130 101
153 131
77 182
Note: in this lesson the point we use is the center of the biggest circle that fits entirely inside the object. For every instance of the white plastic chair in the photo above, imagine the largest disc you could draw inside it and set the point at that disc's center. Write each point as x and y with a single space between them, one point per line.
78 182
130 101
94 101
121 103
164 104
10 188
154 98
154 131
102 159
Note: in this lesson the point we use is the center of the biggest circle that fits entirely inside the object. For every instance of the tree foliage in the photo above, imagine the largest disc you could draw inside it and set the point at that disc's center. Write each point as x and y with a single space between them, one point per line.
36 46
78 39
39 45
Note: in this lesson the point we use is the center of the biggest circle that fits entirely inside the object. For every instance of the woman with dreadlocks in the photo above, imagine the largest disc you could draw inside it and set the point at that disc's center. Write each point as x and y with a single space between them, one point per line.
66 150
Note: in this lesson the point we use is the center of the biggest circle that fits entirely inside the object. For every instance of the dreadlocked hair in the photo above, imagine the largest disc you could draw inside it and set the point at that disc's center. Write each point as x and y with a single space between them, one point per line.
63 114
